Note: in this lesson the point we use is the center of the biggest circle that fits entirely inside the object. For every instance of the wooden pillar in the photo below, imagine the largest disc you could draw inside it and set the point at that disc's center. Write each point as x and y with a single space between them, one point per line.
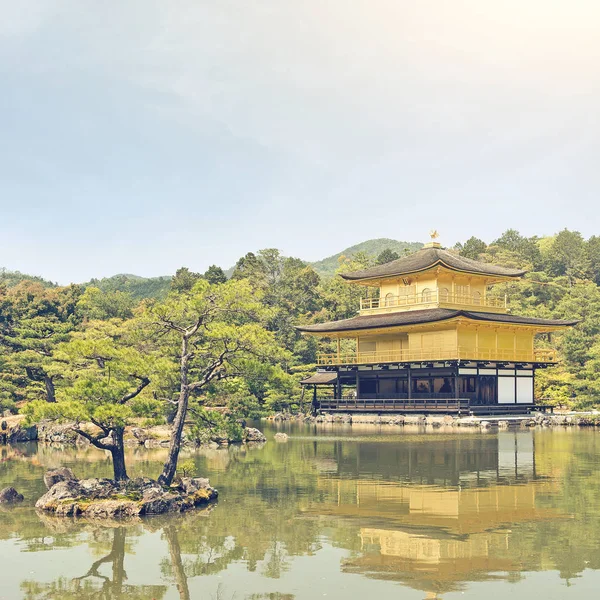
409 383
456 392
338 349
357 383
339 385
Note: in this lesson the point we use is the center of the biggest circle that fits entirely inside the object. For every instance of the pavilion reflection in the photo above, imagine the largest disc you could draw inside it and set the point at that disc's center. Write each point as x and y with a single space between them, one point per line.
444 515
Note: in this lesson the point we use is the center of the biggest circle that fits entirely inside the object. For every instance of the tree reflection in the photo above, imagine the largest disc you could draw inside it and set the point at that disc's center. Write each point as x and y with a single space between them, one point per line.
94 583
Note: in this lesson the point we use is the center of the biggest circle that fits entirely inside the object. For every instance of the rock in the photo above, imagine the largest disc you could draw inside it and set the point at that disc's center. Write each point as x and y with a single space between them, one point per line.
281 437
53 433
105 498
469 422
341 418
414 420
193 484
112 509
251 434
53 476
63 490
17 434
139 434
503 424
435 420
485 425
10 496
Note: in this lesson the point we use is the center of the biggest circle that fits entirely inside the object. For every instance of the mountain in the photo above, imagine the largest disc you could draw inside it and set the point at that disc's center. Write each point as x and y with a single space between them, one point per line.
327 266
138 287
12 278
158 287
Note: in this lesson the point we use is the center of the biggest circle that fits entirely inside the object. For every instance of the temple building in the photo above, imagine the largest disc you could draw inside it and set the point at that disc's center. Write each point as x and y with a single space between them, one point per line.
432 339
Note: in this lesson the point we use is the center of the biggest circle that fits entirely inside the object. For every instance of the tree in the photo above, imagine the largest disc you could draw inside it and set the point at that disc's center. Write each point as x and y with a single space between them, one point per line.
215 275
33 321
568 256
107 370
95 304
215 332
184 280
525 249
472 248
386 256
593 254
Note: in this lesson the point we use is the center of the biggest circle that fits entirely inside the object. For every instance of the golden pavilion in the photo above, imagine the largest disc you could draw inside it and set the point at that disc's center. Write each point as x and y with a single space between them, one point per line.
432 339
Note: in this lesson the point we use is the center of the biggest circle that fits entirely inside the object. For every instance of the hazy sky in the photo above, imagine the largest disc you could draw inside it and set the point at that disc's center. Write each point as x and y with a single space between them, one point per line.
139 136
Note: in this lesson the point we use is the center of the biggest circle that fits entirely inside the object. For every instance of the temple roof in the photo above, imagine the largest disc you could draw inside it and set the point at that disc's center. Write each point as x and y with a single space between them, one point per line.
419 317
429 257
321 378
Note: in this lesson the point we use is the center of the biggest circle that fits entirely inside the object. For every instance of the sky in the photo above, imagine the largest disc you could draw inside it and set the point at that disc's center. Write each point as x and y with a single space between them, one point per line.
140 136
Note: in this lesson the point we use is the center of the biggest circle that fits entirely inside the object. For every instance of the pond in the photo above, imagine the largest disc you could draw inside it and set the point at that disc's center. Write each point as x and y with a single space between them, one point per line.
336 512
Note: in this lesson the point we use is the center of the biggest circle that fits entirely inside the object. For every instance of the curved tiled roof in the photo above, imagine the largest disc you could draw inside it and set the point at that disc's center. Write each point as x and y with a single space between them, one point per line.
418 317
429 257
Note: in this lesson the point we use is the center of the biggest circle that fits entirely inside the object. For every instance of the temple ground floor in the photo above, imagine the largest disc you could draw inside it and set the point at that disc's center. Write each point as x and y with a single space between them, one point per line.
446 387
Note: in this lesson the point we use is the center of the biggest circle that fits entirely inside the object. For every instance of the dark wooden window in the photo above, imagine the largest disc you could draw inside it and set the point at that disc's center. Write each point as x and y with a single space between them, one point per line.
467 385
368 386
421 386
443 385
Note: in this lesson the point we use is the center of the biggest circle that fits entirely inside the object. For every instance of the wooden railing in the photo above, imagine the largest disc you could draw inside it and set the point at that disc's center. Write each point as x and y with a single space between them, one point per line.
437 354
433 296
459 405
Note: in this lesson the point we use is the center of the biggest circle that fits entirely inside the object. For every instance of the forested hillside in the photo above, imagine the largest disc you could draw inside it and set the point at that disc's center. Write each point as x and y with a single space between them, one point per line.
43 326
158 287
328 266
138 287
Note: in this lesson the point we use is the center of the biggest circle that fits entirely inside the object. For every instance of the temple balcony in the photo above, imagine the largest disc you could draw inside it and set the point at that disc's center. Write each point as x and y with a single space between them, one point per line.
545 356
432 298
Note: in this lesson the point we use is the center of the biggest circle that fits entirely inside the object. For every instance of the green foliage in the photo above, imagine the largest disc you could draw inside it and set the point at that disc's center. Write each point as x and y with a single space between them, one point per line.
472 248
187 468
138 287
33 321
212 425
568 256
95 304
386 256
12 278
184 280
215 275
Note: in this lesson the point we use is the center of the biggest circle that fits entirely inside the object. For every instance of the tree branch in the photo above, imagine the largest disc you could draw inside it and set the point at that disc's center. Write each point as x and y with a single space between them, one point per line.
94 440
144 381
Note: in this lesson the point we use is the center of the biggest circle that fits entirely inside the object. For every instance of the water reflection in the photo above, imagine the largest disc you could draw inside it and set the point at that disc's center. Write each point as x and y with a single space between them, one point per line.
433 513
106 577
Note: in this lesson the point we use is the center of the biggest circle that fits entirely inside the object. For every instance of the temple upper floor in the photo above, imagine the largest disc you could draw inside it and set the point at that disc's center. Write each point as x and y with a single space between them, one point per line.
432 278
435 290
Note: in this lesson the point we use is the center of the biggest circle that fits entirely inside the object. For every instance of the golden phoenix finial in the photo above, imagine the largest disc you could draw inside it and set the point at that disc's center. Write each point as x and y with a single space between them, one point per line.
433 234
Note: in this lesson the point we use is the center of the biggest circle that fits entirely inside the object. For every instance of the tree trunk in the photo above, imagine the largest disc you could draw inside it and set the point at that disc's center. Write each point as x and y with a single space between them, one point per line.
176 562
117 451
170 466
50 391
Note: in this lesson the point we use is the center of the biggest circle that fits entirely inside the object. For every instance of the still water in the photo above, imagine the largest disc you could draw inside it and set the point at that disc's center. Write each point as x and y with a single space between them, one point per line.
335 512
